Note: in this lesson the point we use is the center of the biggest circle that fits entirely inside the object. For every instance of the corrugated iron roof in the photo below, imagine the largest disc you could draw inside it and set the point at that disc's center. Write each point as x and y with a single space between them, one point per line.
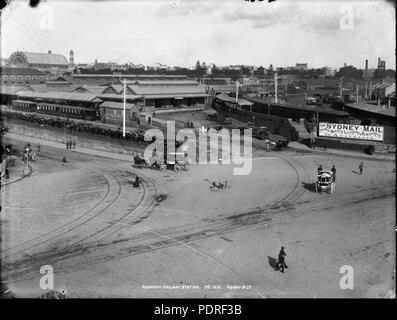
11 89
72 96
118 96
163 82
46 58
391 112
50 87
227 98
118 105
200 90
217 82
142 76
93 89
176 96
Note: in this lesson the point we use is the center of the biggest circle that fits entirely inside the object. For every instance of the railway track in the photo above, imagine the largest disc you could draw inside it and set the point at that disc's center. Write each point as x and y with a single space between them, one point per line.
96 247
112 194
109 198
190 232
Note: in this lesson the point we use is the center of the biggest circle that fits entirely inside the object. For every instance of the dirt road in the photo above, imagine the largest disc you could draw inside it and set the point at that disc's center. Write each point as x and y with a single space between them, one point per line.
174 237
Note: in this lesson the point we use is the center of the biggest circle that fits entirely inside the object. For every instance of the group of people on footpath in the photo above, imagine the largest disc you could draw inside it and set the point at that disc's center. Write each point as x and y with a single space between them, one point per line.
189 124
333 170
70 144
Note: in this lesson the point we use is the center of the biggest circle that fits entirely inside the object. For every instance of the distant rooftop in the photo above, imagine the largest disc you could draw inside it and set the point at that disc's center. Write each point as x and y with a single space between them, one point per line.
163 82
8 71
126 76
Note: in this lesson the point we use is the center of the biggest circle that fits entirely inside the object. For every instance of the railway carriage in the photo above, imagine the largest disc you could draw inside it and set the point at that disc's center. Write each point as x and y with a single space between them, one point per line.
87 113
66 104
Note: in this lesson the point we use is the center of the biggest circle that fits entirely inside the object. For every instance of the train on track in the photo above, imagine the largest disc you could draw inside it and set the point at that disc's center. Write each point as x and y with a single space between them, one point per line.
275 130
86 113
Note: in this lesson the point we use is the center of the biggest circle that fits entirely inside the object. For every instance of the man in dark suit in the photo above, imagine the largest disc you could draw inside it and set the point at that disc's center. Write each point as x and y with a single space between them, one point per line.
281 260
333 173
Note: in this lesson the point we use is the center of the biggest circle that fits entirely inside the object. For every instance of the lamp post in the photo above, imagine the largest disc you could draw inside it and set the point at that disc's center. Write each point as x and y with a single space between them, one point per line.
124 102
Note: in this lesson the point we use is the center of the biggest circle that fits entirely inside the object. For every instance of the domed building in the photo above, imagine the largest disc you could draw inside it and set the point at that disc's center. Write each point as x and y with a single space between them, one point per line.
46 62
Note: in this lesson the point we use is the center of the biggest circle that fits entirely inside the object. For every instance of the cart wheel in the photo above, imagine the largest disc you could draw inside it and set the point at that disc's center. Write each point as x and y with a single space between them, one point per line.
162 167
176 168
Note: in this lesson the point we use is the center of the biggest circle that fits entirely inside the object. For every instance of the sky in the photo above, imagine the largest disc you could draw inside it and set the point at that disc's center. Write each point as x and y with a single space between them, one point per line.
224 32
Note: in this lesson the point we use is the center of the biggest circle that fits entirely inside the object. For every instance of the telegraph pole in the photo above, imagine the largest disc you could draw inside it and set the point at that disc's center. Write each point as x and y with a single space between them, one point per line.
275 88
237 85
124 103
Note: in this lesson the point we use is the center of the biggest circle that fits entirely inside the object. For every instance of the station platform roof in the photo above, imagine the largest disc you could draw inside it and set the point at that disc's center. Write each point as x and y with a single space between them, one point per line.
242 102
68 96
320 110
390 112
118 105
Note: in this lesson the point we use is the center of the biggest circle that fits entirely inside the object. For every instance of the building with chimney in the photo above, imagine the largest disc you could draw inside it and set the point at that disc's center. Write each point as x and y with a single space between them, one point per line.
381 64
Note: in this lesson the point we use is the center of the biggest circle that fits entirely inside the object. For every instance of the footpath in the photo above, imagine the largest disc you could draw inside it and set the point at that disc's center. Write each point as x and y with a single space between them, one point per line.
16 173
125 155
297 146
60 145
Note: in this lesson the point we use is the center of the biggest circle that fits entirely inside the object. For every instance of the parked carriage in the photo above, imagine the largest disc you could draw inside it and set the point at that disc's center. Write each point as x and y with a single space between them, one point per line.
141 162
325 182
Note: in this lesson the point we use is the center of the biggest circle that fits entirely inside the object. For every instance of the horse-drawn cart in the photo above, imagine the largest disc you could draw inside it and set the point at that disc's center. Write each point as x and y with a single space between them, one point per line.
325 182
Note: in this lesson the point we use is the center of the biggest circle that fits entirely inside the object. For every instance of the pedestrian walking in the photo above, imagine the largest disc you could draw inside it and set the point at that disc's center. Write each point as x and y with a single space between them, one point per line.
64 159
38 147
320 169
361 167
333 173
67 144
74 144
281 260
136 182
225 184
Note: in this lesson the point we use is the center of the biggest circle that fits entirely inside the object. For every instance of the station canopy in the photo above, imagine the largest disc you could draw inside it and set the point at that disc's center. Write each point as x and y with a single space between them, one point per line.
67 96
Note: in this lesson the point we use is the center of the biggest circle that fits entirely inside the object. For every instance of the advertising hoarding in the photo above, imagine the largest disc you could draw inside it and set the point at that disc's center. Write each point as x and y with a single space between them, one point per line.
350 131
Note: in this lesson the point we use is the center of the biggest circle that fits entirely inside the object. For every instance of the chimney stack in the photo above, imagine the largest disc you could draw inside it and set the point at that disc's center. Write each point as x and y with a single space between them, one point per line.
71 57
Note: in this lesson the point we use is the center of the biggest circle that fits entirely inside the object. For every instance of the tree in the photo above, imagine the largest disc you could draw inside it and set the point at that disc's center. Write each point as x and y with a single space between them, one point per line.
259 72
198 65
350 73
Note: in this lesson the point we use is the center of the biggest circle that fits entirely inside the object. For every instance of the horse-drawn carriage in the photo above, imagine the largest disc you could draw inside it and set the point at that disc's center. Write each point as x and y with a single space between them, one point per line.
325 182
140 162
174 164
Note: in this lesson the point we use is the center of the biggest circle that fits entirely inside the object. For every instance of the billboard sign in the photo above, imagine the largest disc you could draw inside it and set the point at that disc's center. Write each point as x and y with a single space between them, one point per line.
350 131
